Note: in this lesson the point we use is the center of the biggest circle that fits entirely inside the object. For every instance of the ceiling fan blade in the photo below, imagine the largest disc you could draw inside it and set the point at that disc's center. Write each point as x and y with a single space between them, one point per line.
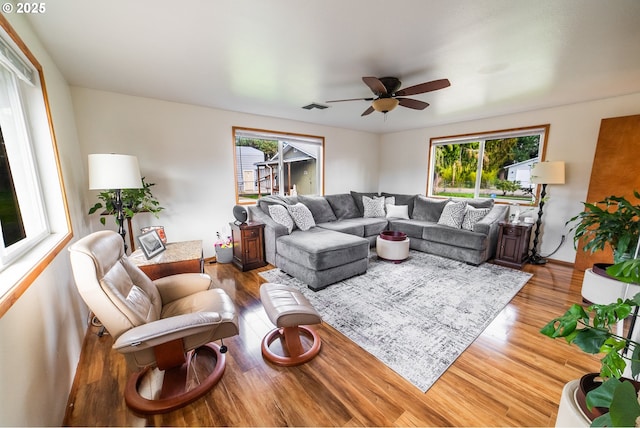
424 87
375 85
368 111
350 99
411 103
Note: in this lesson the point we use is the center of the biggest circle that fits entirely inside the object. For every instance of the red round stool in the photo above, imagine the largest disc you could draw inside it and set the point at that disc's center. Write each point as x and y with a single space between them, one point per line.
291 312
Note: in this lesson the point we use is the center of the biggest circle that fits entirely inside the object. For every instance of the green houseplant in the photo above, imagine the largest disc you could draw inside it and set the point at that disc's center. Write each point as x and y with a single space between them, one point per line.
133 201
600 225
592 330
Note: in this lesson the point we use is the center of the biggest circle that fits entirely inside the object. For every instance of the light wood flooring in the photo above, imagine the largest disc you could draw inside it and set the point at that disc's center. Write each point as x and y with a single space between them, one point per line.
510 376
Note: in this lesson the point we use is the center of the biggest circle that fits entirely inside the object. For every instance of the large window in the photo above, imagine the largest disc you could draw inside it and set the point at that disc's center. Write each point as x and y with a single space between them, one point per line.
34 219
490 165
269 162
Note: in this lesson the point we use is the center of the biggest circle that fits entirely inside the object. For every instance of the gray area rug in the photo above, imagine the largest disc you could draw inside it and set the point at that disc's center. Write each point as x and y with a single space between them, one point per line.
418 316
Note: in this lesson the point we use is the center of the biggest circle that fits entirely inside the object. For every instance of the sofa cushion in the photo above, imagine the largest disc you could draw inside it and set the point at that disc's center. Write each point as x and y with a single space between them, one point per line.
302 216
280 215
352 226
268 200
472 216
319 207
428 209
402 199
412 228
481 203
343 206
453 214
357 198
455 237
320 249
373 207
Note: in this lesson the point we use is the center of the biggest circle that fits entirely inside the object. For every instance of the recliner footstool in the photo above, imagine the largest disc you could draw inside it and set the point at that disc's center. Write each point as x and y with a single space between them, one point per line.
291 312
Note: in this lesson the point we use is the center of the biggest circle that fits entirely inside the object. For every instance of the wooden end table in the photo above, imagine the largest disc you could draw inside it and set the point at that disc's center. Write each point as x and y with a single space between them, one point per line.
513 244
179 257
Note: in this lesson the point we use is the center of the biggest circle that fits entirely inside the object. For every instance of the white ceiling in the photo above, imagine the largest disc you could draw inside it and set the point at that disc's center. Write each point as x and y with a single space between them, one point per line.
271 57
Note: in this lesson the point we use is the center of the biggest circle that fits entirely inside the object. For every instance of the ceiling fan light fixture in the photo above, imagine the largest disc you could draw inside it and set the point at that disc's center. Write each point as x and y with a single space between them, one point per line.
385 105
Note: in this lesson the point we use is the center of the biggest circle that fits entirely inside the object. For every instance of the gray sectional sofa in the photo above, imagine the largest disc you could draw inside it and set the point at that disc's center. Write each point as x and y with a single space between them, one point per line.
335 244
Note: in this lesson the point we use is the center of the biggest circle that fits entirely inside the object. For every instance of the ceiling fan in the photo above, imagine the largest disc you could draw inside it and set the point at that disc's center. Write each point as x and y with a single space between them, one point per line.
388 94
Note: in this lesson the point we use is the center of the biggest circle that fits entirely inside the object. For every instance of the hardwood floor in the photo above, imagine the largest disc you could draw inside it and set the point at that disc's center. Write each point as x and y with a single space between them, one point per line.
510 376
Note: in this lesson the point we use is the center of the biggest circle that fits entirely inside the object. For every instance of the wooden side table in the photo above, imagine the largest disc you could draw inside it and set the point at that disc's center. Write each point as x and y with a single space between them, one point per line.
248 245
513 244
179 257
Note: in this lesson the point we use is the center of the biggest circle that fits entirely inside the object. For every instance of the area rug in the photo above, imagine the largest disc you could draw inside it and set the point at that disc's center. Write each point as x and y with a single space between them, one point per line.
418 316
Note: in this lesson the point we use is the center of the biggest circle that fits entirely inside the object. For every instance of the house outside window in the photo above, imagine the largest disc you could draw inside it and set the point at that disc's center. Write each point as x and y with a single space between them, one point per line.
276 163
493 165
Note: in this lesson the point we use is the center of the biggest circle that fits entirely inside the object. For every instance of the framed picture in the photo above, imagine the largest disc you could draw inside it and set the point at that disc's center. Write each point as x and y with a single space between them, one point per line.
151 244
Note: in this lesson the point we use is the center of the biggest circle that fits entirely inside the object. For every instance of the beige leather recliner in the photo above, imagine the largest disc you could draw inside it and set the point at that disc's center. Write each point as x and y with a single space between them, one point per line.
157 323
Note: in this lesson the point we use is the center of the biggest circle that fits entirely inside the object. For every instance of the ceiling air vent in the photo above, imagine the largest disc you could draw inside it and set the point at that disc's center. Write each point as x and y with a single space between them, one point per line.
315 105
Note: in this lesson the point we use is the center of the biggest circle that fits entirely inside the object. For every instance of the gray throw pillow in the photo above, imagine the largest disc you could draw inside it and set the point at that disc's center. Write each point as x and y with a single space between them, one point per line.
343 206
319 207
472 216
373 207
453 214
301 216
280 215
481 203
428 209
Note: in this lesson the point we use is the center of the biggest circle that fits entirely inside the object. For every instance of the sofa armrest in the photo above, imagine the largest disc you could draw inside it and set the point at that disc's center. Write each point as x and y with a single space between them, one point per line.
497 214
490 226
272 231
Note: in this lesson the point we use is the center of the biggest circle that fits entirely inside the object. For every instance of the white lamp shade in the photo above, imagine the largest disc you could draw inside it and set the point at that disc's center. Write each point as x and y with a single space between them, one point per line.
113 171
548 173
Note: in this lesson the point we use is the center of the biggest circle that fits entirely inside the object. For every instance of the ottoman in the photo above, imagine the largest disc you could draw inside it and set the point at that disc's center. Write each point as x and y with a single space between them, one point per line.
290 311
392 246
320 257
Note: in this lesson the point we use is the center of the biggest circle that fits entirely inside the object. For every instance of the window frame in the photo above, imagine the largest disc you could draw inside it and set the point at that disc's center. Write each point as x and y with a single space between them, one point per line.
482 137
21 272
276 135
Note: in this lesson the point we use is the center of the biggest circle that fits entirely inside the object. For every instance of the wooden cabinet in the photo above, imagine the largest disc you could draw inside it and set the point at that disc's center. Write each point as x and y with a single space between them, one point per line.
513 244
248 245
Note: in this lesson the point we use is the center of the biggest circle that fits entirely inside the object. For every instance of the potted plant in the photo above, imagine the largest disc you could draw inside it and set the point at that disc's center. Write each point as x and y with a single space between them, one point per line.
133 201
592 330
600 225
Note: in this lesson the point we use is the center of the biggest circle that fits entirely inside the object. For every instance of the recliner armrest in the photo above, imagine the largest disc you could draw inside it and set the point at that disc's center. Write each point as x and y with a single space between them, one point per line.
174 287
165 330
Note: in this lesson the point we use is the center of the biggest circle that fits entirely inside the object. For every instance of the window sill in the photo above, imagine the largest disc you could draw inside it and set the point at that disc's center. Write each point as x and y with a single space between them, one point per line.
17 277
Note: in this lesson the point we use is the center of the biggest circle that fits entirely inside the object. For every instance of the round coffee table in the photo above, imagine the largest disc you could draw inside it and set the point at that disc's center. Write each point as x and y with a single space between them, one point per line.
392 246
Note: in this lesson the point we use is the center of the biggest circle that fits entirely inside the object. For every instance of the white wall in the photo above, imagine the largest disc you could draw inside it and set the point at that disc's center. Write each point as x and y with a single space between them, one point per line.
42 334
573 137
188 152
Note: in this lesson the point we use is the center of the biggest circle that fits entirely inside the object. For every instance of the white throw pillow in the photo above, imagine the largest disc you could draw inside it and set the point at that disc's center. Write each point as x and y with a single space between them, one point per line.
397 211
301 215
280 215
472 216
453 214
373 207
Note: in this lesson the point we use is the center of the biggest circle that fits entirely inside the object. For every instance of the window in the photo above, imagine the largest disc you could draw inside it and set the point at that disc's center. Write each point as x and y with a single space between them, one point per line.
269 162
34 218
491 165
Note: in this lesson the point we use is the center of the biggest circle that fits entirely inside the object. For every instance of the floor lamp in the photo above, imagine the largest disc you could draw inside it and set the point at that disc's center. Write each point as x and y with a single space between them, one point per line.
115 172
544 173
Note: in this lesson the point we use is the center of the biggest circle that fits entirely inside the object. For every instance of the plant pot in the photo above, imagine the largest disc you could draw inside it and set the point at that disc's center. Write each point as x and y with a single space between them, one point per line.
224 255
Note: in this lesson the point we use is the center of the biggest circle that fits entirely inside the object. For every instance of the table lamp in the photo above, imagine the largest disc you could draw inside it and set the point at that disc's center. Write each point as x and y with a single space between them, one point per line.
544 173
115 172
